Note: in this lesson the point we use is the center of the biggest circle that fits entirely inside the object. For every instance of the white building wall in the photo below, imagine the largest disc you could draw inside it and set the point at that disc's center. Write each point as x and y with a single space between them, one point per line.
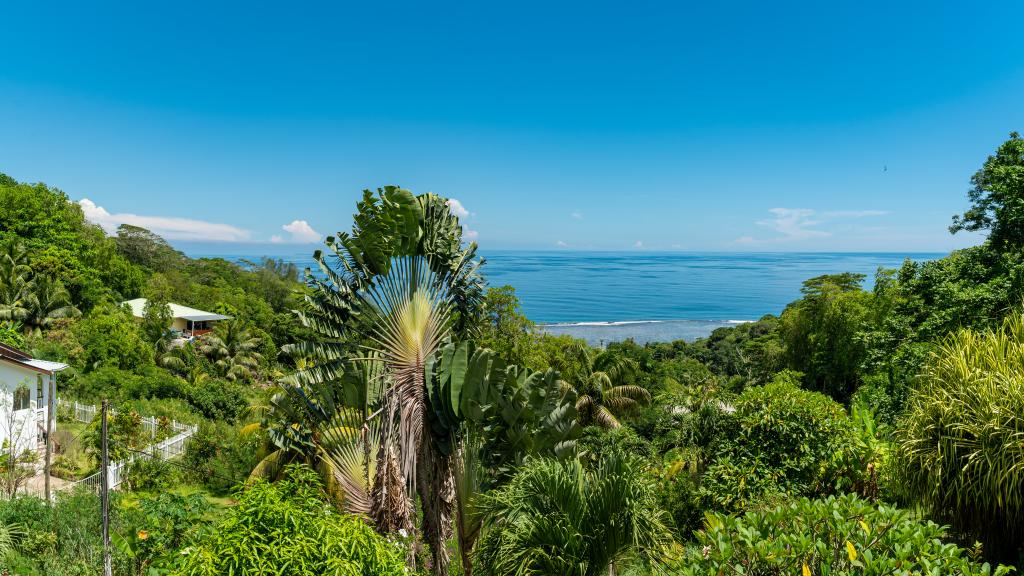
21 426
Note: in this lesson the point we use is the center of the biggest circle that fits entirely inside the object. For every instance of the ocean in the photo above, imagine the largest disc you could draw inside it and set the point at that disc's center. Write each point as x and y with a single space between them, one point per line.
659 296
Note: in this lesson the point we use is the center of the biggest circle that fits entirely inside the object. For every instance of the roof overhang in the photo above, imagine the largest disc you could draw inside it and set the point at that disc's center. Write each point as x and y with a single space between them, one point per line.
203 317
14 356
41 366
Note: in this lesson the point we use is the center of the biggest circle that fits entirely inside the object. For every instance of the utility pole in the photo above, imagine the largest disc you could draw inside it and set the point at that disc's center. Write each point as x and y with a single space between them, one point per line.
105 490
46 436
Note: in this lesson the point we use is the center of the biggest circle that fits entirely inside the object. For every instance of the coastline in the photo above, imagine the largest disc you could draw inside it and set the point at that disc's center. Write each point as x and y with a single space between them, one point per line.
599 333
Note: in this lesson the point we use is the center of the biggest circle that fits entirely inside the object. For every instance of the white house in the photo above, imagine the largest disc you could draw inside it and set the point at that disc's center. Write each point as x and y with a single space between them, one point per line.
27 387
186 322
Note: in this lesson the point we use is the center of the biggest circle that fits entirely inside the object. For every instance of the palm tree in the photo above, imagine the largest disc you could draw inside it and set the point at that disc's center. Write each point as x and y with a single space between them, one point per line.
402 286
558 517
232 349
48 302
602 395
15 281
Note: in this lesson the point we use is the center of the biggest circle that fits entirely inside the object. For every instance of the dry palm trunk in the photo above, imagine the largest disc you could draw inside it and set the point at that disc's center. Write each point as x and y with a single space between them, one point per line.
392 508
436 479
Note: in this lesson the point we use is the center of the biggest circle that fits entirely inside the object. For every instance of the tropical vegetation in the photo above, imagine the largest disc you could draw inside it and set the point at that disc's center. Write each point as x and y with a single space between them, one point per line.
388 412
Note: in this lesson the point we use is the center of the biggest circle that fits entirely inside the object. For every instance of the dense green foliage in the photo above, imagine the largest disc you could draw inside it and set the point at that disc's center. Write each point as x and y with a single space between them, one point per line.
408 414
960 448
286 528
780 440
837 535
561 518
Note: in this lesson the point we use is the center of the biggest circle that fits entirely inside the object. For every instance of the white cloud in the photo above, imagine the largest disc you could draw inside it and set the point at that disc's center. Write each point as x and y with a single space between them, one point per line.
460 211
276 239
167 227
794 223
301 233
638 244
577 215
798 224
561 244
457 208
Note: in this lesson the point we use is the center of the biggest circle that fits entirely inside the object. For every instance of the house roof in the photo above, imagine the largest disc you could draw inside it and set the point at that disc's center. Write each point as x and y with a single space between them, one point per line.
138 307
14 356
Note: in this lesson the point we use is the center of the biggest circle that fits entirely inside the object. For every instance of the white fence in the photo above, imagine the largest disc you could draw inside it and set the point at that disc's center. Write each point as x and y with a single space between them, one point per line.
87 413
117 471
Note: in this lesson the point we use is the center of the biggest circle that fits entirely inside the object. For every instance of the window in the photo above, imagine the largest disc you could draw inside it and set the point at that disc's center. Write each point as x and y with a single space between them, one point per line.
39 389
22 398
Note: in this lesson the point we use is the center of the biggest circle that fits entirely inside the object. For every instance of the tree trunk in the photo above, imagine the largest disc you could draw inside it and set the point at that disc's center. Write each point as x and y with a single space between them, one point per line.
436 481
392 507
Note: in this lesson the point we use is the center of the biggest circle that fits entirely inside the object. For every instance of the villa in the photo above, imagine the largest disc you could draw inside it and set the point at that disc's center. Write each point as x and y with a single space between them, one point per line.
186 322
27 387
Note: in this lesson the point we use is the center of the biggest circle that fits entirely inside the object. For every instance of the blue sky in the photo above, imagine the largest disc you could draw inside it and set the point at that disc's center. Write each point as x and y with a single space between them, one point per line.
556 125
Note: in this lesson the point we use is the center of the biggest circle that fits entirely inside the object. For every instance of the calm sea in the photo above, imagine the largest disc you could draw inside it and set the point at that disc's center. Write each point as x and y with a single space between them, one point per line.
651 297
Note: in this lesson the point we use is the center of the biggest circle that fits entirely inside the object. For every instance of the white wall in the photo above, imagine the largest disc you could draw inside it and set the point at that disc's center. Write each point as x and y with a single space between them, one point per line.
19 425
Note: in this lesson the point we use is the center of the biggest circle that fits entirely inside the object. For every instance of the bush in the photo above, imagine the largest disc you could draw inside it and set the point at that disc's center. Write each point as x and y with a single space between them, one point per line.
558 517
595 442
110 336
155 531
288 528
153 475
781 439
63 540
122 385
218 458
838 535
959 449
886 398
217 399
679 497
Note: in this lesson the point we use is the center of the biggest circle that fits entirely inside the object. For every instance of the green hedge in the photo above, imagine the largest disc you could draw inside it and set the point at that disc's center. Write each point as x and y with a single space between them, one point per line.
842 535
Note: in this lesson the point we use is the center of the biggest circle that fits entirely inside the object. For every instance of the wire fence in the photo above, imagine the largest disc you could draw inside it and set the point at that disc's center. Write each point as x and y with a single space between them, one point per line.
117 472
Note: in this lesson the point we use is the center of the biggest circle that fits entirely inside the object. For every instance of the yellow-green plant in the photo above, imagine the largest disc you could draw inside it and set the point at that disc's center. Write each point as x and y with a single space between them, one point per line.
960 448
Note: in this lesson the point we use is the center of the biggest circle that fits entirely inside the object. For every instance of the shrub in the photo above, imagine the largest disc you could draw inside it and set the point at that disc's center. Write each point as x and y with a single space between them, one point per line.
959 449
557 517
886 398
217 399
781 438
123 385
841 535
152 475
287 528
154 532
110 336
63 540
596 442
679 498
218 458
